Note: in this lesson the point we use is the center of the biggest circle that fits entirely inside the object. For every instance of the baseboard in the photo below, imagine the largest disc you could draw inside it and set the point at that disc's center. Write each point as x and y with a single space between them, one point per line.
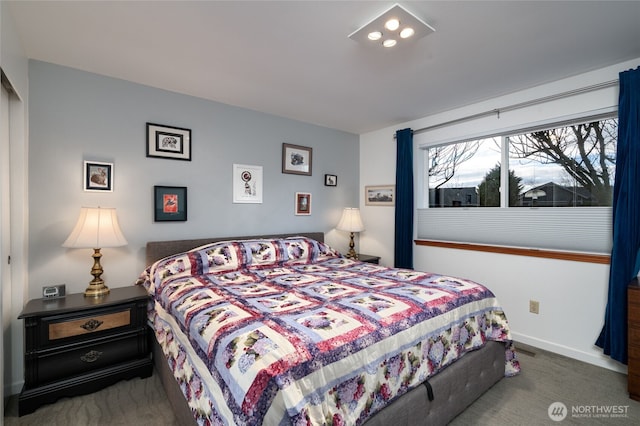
13 388
595 358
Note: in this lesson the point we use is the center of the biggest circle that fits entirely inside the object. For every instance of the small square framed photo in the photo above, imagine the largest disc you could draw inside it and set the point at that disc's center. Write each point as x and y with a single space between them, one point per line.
330 180
303 204
98 177
170 203
296 159
384 195
168 142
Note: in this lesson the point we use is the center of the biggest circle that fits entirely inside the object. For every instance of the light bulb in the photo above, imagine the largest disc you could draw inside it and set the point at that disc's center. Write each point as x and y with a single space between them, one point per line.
392 24
407 32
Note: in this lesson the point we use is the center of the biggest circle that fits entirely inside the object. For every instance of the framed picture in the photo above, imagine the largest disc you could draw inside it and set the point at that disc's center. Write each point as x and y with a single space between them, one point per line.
170 203
168 142
296 159
247 184
330 180
384 195
303 203
98 177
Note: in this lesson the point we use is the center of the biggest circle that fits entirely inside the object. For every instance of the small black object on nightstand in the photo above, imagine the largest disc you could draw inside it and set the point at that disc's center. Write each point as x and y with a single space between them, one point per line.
76 345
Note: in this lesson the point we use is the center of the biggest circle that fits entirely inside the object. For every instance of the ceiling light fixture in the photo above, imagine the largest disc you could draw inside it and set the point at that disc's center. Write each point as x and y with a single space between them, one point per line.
396 23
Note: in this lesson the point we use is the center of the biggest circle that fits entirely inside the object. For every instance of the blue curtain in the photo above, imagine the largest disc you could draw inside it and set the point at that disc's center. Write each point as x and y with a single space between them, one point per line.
403 251
626 218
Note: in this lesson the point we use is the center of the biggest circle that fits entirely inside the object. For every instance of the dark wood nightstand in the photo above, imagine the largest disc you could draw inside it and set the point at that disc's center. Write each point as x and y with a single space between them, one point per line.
368 258
76 345
633 339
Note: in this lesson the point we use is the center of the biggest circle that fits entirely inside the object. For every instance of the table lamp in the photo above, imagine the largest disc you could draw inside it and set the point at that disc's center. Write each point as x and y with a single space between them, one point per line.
351 222
96 228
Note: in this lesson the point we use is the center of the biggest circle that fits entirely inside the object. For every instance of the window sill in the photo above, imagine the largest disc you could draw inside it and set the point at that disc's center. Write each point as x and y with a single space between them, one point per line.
547 254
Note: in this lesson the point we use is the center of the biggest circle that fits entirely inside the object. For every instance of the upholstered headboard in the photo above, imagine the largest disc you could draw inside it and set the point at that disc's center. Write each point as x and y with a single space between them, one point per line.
157 250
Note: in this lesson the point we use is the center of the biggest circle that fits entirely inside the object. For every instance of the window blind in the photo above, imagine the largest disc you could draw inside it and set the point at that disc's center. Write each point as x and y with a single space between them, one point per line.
584 229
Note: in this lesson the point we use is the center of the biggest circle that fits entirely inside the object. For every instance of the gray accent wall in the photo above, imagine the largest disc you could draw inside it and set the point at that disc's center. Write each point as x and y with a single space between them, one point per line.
77 116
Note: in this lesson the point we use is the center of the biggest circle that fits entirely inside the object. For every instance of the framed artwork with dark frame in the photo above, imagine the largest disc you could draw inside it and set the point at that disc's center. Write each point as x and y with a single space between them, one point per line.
297 159
170 203
303 203
384 195
98 176
168 142
330 180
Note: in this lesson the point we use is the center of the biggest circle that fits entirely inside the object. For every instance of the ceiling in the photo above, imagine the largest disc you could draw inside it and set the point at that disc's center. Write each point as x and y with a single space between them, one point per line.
294 59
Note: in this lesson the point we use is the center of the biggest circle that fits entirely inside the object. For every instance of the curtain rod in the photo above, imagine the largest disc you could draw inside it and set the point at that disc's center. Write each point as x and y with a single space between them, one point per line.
497 111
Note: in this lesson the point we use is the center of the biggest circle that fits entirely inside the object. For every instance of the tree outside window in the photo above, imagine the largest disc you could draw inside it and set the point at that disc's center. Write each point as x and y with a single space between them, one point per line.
566 166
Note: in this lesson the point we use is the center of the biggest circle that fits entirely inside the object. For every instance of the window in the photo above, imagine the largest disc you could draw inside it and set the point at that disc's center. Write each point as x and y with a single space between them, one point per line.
455 172
471 197
568 166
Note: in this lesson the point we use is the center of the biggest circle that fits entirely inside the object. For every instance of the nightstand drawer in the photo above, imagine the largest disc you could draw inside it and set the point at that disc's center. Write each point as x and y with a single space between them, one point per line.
79 359
85 325
58 330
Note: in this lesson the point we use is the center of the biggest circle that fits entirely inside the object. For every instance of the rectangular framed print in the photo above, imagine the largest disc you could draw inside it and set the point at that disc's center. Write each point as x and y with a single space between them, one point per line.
170 203
168 142
303 204
247 184
384 195
296 159
98 177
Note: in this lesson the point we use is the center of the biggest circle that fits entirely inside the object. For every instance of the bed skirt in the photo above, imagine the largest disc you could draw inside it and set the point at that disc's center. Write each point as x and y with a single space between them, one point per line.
454 389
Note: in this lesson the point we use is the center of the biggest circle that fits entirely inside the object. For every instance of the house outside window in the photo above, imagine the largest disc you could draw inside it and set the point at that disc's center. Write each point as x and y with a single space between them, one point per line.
566 166
556 191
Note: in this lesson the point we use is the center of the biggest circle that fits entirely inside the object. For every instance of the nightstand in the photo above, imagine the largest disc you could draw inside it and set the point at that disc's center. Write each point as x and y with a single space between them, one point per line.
368 258
76 345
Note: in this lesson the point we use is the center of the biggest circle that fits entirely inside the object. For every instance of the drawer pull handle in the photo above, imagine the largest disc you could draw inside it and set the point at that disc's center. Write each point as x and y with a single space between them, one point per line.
91 325
91 356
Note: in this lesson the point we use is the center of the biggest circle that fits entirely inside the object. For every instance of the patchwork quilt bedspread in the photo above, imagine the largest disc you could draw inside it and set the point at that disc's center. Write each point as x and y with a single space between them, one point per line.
289 331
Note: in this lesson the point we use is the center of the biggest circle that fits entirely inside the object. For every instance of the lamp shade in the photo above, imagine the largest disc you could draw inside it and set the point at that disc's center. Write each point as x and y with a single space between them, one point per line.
350 220
96 228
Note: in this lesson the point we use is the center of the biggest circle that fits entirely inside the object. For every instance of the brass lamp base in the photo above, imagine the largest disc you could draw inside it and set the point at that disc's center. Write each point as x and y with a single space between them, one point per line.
351 254
96 288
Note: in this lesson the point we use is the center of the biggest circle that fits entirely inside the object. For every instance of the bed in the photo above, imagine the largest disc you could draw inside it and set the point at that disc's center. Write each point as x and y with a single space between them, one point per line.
282 329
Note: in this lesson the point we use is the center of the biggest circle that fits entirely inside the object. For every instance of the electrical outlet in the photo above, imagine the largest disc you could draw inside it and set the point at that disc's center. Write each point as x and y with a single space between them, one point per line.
534 306
53 291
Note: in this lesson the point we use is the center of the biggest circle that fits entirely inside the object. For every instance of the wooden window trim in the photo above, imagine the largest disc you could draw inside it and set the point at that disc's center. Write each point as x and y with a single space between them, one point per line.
547 254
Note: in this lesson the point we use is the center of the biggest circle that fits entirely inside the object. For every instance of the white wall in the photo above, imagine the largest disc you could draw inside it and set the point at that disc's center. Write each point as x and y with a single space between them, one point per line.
572 295
14 64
